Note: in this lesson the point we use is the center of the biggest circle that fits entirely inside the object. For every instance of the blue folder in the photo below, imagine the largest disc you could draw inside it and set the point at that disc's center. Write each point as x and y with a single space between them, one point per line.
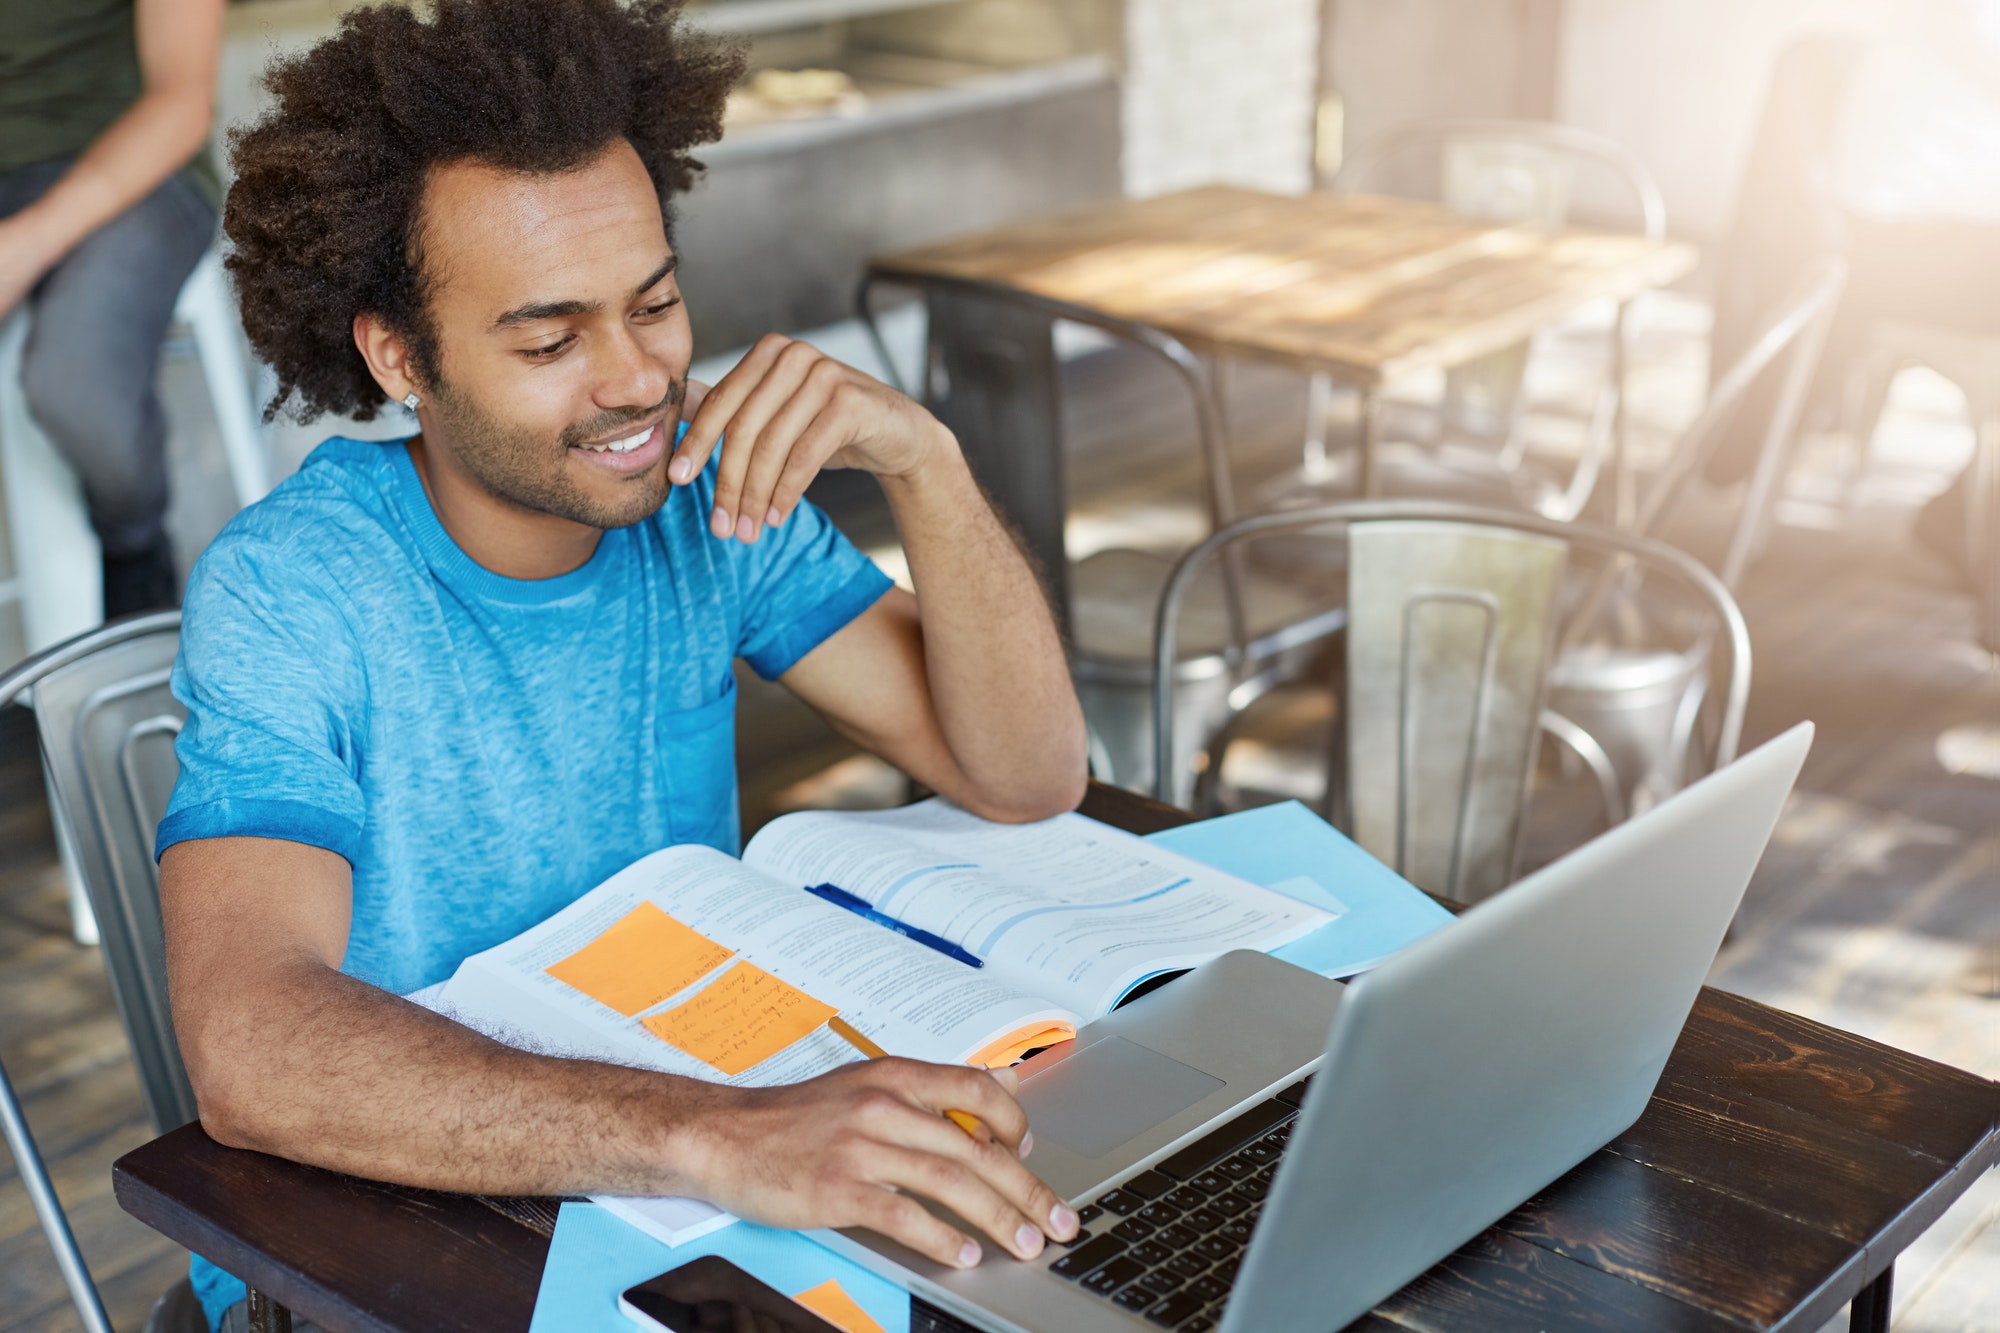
595 1256
1289 849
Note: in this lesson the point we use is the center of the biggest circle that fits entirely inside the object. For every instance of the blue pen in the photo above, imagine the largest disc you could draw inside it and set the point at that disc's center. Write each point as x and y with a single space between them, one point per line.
861 907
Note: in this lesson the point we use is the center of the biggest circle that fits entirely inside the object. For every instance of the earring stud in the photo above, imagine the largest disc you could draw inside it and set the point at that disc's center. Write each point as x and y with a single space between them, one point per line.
410 401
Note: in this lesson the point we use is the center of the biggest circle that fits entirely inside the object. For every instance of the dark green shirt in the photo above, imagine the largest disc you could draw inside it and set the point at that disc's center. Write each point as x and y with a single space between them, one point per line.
68 68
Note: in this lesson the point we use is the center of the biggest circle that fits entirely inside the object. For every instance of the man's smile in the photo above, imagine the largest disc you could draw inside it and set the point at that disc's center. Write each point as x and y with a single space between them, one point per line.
627 454
624 446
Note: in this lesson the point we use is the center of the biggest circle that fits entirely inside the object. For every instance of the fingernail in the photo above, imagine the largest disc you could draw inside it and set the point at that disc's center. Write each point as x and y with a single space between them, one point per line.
968 1255
773 517
1028 1241
746 528
1027 1142
1062 1220
718 522
680 469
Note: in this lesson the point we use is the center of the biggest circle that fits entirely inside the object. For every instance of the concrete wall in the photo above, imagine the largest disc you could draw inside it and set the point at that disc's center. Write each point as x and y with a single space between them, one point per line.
1219 90
1395 61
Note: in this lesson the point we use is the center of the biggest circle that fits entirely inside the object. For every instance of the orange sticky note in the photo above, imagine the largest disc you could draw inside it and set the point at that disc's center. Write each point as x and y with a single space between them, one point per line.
742 1018
640 961
830 1301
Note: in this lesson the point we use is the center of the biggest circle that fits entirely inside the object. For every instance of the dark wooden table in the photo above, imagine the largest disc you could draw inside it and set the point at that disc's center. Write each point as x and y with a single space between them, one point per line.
1780 1169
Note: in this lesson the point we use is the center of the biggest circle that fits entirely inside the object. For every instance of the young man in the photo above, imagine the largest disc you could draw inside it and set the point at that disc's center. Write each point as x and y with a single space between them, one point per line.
439 688
106 203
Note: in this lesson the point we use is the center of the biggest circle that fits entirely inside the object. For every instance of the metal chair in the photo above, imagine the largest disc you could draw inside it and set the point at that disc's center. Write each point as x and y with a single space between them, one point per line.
1627 703
1455 617
1250 628
1512 171
1638 695
1794 333
107 725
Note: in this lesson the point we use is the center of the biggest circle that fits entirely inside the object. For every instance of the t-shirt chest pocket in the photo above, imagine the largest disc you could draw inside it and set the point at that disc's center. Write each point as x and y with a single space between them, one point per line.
697 757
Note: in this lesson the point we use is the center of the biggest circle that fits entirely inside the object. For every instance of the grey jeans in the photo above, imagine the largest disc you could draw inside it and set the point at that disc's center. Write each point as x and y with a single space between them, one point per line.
92 361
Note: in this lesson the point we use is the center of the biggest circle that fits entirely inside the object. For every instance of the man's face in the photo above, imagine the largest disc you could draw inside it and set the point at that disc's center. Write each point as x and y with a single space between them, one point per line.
563 345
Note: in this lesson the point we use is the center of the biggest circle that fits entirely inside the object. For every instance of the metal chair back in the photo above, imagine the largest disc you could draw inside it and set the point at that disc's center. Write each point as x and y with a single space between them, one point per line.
107 724
1448 635
1453 612
984 378
1629 706
1505 170
1251 629
1794 333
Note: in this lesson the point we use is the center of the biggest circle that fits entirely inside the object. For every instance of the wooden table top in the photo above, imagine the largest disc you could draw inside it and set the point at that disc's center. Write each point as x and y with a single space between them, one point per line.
1780 1167
1367 285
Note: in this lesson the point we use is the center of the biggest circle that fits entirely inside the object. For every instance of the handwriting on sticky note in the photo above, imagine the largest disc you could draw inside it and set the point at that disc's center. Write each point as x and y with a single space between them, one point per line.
830 1301
642 959
740 1019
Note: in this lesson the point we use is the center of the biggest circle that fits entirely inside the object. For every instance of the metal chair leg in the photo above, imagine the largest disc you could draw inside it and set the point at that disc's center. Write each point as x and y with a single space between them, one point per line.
1585 747
35 1175
267 1316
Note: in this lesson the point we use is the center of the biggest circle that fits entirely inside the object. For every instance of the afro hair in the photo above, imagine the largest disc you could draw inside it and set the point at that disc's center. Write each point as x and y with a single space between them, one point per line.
324 212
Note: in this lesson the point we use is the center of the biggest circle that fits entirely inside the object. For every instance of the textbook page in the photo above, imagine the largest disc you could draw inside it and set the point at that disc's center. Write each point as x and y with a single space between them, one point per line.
653 969
691 963
1067 908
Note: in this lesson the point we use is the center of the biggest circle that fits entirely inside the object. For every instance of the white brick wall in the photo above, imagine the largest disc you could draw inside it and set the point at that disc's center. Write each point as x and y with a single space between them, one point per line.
1219 90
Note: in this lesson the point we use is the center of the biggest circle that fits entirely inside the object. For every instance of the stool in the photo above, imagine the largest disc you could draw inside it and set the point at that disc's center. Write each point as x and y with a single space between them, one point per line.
57 578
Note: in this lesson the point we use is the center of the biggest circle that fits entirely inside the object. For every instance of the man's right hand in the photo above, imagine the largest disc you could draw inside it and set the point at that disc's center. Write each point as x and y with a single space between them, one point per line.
850 1147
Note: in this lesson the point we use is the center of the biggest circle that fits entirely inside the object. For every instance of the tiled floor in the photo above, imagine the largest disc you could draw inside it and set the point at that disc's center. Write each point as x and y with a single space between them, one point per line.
1877 910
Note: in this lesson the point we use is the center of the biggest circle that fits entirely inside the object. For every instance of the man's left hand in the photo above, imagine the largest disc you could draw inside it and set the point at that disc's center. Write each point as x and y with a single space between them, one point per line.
790 410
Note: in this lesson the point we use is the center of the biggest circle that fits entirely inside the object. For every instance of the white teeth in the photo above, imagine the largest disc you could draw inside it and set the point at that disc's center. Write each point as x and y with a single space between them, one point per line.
624 446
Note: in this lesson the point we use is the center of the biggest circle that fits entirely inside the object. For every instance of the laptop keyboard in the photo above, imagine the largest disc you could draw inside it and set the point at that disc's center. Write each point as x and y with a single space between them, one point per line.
1166 1244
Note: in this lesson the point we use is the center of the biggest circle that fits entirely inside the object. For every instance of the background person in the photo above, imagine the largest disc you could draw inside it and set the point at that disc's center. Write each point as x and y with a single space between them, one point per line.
106 203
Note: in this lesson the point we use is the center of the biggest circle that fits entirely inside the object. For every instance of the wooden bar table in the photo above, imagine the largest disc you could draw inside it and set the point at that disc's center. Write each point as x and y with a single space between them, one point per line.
1777 1173
1359 287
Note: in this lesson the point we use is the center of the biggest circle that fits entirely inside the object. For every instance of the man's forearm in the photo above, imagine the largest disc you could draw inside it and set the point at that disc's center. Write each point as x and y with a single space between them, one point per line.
155 137
999 680
329 1070
292 1057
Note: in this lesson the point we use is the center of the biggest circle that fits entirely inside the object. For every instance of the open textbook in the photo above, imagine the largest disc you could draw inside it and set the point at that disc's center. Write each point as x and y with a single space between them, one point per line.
926 931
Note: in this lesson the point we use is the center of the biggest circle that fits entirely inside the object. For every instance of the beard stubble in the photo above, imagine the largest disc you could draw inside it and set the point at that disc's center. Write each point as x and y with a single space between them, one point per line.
514 465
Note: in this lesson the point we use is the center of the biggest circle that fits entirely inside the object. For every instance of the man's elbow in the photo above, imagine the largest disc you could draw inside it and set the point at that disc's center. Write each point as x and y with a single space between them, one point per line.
227 1116
222 1126
1051 791
236 1107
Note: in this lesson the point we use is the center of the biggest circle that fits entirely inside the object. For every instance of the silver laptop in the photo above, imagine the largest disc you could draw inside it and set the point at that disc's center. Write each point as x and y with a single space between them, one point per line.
1221 1190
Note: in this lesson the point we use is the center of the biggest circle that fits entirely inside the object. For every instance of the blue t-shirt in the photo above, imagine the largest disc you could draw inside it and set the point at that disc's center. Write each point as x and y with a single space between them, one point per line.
481 750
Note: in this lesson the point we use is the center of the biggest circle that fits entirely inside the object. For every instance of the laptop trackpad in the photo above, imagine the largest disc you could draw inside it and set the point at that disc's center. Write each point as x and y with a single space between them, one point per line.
1107 1093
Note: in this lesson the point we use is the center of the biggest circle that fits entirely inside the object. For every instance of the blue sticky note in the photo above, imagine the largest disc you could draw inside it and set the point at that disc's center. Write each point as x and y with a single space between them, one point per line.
594 1257
1291 850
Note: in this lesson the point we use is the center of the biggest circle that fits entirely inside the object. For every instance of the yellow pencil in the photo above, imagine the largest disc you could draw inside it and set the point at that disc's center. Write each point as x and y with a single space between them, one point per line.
853 1036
